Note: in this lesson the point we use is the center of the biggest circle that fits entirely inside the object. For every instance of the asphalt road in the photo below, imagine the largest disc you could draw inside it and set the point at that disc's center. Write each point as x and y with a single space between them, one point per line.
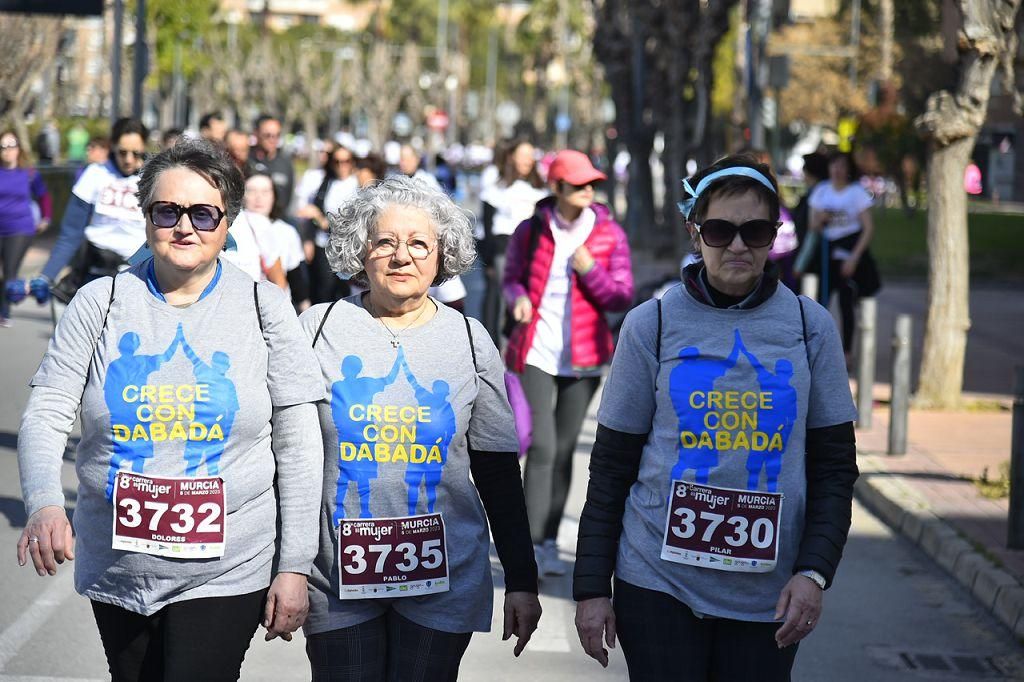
892 615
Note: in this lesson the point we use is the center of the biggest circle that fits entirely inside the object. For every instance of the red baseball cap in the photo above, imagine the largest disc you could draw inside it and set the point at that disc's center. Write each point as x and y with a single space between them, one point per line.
573 167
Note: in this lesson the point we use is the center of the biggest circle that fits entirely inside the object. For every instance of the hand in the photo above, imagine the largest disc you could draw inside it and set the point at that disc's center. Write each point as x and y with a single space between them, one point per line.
522 612
523 310
582 261
48 539
800 603
309 212
287 606
594 619
43 224
848 267
308 250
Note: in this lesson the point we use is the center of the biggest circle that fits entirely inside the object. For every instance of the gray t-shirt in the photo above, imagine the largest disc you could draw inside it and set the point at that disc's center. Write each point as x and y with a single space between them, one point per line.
361 368
169 407
696 405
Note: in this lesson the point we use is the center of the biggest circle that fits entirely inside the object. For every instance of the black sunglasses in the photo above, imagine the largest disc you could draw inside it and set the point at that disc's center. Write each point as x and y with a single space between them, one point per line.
756 234
125 153
203 217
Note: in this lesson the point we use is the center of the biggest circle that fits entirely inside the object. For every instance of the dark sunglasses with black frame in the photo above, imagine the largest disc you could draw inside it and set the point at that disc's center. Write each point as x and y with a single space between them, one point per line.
718 233
204 217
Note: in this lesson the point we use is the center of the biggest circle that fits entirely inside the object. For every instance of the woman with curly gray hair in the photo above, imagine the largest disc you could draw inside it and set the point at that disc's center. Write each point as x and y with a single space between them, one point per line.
417 404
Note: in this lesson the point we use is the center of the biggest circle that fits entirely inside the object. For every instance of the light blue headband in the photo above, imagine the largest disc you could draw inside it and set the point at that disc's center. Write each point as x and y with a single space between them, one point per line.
686 205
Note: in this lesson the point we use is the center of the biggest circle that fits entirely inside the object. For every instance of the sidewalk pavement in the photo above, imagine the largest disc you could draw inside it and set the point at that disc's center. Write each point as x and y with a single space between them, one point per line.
929 495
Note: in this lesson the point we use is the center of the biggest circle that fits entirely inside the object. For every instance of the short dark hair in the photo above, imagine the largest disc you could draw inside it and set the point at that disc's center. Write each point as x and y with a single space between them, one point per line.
171 134
128 126
734 185
263 118
198 156
851 165
204 122
374 163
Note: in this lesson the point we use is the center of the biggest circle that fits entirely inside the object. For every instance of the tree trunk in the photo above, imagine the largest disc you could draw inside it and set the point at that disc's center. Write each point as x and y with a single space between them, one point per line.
945 339
887 27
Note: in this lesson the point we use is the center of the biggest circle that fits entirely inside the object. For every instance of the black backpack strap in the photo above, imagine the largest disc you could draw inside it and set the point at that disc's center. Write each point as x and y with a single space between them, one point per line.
657 341
106 314
320 327
256 300
472 349
803 326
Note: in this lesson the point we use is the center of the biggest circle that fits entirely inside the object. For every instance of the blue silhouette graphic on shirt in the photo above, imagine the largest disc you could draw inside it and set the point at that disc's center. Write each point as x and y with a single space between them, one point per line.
696 374
216 413
438 432
780 418
130 370
351 390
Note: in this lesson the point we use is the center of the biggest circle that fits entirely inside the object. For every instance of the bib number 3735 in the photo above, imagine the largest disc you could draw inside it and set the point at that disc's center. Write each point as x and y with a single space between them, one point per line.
722 528
173 517
395 557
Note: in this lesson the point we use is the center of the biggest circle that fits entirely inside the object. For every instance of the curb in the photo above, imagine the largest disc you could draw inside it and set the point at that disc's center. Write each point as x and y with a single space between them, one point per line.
907 512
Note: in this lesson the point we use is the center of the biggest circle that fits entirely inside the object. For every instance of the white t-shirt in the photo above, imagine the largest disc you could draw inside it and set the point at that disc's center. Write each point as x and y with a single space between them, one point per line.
843 208
306 187
289 245
257 245
338 192
117 223
450 290
512 204
551 350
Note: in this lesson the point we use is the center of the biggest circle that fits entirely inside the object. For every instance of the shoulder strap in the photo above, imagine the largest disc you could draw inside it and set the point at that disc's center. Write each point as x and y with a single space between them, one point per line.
106 314
320 327
803 326
256 299
472 349
657 341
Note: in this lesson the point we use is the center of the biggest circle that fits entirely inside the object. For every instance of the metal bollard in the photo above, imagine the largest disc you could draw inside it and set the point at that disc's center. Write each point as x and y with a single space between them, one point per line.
1015 527
867 331
809 285
899 401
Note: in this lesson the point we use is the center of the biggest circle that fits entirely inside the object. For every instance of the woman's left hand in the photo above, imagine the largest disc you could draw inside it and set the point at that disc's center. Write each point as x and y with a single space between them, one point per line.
800 604
848 267
522 612
582 261
42 225
287 606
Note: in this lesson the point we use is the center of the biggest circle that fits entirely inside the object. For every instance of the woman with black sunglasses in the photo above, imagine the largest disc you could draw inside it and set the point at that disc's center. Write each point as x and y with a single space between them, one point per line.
722 474
199 465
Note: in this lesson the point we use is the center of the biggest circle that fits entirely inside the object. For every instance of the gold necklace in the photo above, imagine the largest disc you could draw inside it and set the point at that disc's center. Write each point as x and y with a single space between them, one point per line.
395 341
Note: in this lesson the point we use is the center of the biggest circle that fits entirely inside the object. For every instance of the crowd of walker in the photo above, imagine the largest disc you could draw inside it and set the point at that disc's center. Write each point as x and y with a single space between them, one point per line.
288 421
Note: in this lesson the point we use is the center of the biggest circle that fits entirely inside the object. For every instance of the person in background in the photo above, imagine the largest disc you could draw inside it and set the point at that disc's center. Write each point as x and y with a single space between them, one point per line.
48 144
77 139
259 200
815 172
269 158
370 169
444 174
170 137
338 185
102 212
237 144
257 250
841 214
229 361
21 187
409 164
97 151
667 462
512 199
437 380
212 127
311 177
567 266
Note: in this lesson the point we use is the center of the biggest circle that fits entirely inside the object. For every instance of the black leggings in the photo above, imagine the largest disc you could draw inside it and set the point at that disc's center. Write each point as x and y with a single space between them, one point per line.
12 252
558 406
389 648
662 639
187 641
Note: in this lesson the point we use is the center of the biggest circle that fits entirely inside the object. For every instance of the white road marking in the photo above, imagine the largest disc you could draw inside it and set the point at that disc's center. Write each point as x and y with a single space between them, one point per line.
39 611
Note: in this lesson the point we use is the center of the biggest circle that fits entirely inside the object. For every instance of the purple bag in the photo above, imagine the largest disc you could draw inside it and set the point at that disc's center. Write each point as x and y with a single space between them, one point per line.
520 410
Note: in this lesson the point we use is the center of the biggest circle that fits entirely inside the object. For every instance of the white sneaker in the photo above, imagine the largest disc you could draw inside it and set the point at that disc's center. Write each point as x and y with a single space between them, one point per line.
552 565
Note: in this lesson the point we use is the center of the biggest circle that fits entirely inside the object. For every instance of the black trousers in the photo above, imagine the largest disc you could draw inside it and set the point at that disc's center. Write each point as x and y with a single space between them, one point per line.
389 648
663 640
188 641
558 406
12 252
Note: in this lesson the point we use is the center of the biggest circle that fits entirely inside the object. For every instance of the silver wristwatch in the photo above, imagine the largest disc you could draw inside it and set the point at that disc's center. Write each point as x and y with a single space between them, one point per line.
818 578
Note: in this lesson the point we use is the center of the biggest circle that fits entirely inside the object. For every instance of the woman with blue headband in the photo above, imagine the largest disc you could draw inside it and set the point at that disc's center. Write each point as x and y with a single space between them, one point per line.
722 475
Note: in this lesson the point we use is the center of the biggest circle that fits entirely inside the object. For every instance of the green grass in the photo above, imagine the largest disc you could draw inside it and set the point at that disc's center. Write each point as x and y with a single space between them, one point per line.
996 245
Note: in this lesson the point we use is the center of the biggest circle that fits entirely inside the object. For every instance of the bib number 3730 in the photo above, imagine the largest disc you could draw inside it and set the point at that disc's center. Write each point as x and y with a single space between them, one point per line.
174 517
395 557
722 528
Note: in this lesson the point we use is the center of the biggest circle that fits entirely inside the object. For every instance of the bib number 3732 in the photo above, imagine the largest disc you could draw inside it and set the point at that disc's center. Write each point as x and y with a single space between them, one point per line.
722 528
395 557
174 517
